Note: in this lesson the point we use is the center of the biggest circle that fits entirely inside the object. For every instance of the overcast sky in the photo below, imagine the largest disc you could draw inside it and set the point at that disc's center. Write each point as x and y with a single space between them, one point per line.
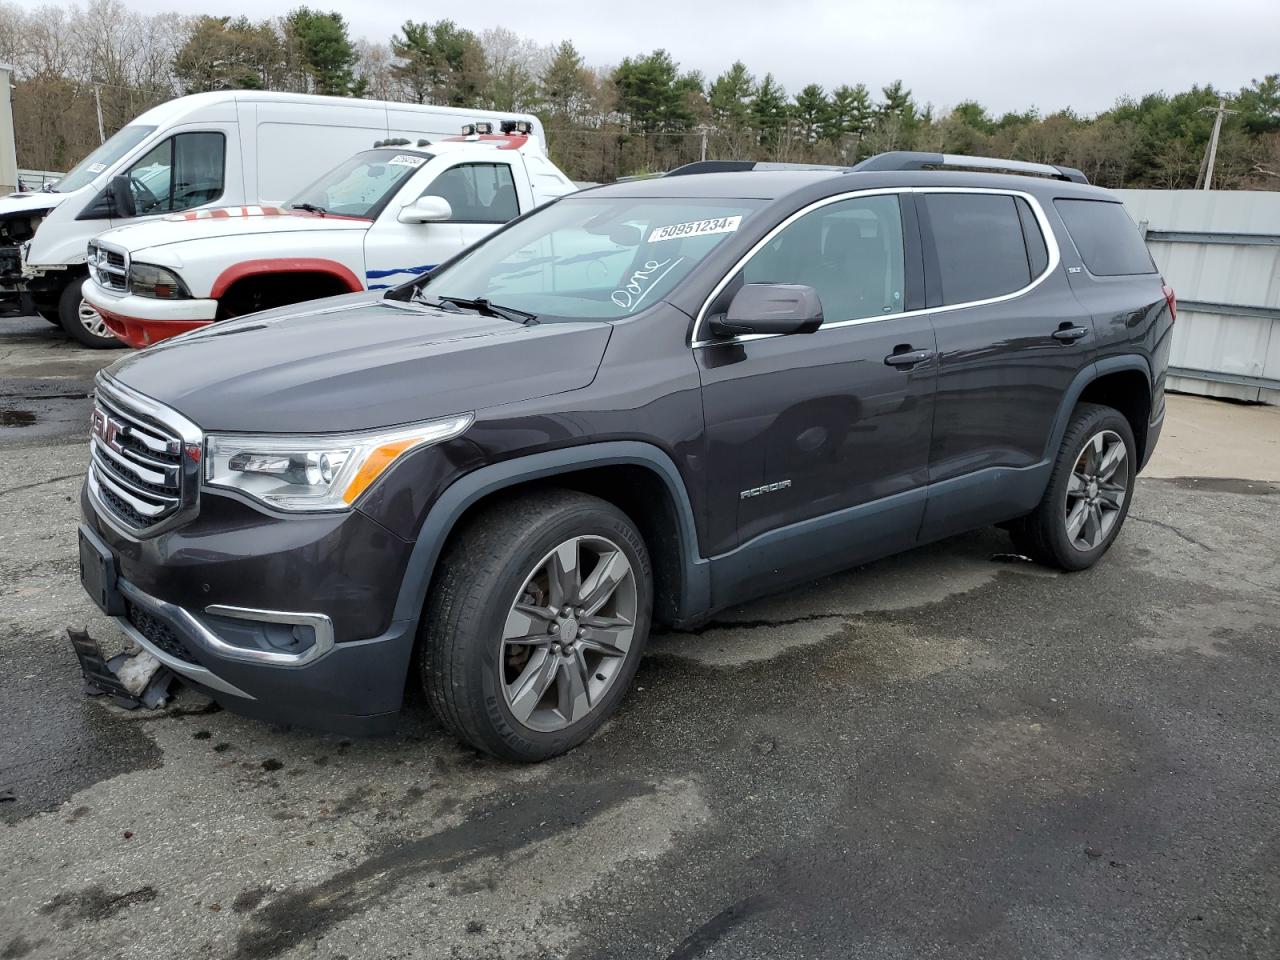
1007 54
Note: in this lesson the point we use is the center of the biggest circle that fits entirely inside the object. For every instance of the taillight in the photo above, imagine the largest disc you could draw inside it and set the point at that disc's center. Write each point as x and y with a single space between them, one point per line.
1172 301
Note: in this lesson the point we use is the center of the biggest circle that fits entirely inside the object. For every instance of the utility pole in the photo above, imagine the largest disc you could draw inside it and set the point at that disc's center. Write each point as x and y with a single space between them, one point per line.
703 130
1219 111
97 102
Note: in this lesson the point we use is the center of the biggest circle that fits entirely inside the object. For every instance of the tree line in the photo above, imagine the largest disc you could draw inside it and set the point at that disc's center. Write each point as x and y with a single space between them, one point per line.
642 115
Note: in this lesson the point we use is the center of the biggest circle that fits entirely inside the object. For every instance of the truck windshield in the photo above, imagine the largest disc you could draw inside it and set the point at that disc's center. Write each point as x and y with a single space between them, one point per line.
589 258
124 140
362 186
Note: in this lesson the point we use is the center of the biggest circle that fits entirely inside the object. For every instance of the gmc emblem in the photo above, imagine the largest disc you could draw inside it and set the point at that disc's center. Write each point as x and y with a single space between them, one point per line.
109 430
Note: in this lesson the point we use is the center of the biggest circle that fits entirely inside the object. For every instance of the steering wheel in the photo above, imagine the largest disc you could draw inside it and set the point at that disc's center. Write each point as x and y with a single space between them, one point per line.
143 198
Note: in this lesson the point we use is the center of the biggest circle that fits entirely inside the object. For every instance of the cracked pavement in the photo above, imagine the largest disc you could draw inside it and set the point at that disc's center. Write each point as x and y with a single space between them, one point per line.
950 753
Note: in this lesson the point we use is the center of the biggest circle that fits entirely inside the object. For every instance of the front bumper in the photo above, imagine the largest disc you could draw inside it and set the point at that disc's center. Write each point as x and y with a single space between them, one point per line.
205 598
142 321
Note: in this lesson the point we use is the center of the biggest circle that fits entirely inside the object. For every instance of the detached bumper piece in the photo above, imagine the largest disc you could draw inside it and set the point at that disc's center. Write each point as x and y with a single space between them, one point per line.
103 677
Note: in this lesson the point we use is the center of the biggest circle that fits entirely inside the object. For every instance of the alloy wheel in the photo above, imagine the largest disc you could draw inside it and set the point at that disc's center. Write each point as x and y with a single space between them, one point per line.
1096 490
567 633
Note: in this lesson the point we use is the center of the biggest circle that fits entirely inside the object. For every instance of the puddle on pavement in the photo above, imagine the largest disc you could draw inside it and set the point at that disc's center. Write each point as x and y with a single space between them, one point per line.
17 418
1253 488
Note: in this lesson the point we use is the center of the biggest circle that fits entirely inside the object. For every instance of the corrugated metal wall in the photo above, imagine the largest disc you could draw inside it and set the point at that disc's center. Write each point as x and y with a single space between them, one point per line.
1220 251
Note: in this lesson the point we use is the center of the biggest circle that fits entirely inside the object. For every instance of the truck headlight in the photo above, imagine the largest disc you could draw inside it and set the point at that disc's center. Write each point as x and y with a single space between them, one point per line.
322 472
148 280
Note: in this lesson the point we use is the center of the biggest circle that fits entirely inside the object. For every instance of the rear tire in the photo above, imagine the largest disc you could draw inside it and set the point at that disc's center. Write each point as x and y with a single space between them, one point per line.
536 623
1089 492
81 322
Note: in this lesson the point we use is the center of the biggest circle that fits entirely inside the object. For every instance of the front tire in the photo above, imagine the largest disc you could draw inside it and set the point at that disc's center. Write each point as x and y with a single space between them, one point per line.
536 624
83 323
1089 492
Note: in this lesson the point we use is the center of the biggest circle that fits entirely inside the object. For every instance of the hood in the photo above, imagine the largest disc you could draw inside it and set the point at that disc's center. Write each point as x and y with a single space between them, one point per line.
25 204
358 362
223 222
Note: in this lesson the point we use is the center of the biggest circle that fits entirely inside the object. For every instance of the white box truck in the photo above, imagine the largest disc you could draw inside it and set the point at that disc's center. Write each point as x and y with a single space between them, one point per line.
206 150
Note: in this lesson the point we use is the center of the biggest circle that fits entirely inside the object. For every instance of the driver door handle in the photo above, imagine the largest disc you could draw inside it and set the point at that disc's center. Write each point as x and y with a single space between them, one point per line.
1067 334
908 358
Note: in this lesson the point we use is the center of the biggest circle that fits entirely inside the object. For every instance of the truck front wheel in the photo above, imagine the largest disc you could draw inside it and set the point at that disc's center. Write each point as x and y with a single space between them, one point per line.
81 322
536 623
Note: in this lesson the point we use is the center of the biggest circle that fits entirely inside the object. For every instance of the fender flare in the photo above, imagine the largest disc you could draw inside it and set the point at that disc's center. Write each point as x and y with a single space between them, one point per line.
468 489
1087 375
253 268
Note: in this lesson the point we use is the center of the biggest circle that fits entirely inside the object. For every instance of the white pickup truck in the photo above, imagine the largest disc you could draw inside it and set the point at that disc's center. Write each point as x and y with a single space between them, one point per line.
382 217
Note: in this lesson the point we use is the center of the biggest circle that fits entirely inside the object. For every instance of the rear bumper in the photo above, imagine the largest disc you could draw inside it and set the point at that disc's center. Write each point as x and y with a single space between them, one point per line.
142 321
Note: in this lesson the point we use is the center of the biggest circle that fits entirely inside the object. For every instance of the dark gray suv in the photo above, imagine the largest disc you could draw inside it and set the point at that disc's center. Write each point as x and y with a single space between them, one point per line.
636 405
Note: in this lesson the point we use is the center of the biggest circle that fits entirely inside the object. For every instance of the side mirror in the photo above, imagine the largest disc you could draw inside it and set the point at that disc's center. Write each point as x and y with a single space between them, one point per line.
779 308
122 204
426 210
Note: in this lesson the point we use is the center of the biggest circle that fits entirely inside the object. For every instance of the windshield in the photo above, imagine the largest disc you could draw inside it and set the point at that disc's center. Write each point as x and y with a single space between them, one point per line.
361 186
124 140
592 258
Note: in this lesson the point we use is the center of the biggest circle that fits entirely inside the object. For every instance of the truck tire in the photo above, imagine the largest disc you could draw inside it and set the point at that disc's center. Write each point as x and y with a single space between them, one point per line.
1089 492
83 323
536 623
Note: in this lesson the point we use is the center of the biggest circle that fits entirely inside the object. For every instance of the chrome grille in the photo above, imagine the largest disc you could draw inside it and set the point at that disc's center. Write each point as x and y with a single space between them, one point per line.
143 473
109 267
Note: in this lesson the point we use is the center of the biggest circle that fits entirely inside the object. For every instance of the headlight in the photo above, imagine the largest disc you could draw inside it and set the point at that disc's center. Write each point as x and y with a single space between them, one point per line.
148 280
323 472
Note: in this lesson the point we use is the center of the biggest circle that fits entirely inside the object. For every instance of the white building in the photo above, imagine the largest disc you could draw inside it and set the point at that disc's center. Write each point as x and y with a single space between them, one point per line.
8 148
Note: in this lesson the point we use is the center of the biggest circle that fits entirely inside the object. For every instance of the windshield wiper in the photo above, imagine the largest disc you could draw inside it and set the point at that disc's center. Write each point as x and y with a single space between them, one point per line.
482 305
309 207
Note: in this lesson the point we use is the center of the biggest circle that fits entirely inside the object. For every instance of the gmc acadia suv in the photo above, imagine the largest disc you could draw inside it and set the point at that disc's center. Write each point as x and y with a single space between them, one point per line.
637 405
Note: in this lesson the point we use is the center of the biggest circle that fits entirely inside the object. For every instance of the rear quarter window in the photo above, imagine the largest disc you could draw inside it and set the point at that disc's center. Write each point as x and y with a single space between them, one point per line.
1106 238
980 245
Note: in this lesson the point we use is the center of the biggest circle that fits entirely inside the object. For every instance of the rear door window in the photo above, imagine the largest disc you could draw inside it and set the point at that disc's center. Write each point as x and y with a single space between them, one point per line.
1107 239
980 247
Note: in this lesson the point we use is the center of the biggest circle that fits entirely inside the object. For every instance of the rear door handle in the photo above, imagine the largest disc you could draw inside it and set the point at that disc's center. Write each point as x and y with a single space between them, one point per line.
1065 334
907 359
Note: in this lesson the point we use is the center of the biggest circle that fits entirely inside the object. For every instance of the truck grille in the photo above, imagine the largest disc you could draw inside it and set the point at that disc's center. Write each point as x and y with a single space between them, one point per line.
109 267
137 469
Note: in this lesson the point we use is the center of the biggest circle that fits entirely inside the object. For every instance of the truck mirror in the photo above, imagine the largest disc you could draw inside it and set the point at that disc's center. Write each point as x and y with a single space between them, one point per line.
122 204
426 209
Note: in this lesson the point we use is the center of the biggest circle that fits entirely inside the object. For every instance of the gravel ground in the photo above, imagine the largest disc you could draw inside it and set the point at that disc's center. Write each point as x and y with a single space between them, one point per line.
945 754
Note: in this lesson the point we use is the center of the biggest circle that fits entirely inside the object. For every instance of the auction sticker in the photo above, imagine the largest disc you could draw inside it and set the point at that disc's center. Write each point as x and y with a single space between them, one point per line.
406 160
696 228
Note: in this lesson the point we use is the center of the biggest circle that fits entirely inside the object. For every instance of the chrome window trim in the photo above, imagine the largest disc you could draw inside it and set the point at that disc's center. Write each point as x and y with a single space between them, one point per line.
1051 243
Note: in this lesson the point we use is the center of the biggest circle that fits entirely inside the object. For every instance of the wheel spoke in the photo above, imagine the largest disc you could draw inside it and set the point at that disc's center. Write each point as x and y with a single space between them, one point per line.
533 683
610 571
1111 461
1093 525
608 642
1076 485
1112 495
564 574
527 624
575 701
1076 519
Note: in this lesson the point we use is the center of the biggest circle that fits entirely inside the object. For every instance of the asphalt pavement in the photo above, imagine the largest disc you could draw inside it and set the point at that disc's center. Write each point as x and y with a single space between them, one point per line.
951 753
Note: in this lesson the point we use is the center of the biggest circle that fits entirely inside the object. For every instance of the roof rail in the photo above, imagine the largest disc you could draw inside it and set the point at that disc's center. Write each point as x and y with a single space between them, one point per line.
732 166
914 160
